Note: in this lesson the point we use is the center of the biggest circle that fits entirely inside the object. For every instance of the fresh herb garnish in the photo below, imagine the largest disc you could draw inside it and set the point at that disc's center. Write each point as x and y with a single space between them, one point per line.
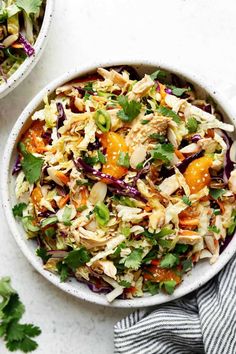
18 209
156 136
101 157
145 121
31 165
216 212
187 264
178 91
192 125
155 238
123 159
42 253
102 214
164 152
169 286
151 287
134 259
216 193
17 336
131 109
125 283
50 232
180 248
214 229
158 75
186 200
169 260
169 113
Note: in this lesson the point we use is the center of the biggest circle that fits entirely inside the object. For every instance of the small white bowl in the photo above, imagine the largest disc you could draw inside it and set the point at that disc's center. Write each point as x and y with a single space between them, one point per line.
200 274
26 67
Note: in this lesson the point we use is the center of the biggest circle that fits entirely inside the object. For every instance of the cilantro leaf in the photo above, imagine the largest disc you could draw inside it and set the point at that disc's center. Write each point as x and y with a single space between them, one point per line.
178 91
164 152
214 229
151 287
155 237
63 271
169 286
134 259
192 125
123 159
101 157
131 109
169 113
29 6
186 200
18 209
158 74
31 165
158 137
187 264
169 260
42 253
16 335
77 258
151 255
125 283
180 248
216 193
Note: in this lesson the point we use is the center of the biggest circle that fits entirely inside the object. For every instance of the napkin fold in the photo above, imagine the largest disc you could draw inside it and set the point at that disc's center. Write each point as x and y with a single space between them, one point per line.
202 322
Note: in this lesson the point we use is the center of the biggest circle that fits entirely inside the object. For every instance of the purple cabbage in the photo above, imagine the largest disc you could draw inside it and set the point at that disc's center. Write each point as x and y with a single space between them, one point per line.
207 108
47 136
45 214
119 185
94 146
29 50
60 118
168 90
17 166
144 170
195 138
184 164
226 242
228 164
62 191
132 72
102 289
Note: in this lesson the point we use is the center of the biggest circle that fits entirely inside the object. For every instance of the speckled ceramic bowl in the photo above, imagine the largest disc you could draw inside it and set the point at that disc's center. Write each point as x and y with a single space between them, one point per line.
198 276
26 67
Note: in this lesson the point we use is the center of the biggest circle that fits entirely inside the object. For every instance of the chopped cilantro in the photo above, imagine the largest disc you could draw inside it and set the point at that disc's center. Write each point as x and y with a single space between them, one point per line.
18 209
178 91
42 253
31 165
101 157
130 109
216 212
158 137
17 336
168 113
181 248
192 125
156 237
124 200
187 264
186 200
164 152
169 260
134 259
151 255
125 283
169 286
145 121
82 208
63 271
216 193
50 232
158 75
139 166
151 287
123 159
214 229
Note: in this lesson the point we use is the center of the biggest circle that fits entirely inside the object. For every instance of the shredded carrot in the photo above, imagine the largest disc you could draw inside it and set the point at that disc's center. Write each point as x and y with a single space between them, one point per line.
210 133
162 90
62 177
179 155
148 208
84 196
204 199
17 45
63 201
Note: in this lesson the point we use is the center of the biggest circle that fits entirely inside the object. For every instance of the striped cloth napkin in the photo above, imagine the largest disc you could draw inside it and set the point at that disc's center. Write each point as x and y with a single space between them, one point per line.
203 322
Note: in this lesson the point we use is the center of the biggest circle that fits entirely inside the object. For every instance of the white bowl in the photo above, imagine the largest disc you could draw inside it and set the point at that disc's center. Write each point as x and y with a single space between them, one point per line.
26 67
201 273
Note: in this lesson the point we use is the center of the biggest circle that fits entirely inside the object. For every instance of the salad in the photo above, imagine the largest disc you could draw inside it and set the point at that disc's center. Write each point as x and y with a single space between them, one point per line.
20 22
126 182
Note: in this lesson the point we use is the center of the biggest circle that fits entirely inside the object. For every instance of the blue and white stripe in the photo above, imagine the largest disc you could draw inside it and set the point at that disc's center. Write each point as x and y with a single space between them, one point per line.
202 322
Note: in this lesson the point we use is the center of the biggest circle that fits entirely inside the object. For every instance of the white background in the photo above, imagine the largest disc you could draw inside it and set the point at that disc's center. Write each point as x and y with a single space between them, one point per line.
197 35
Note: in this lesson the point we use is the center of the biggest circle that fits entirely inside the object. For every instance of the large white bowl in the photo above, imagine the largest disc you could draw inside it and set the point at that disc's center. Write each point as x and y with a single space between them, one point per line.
199 275
26 67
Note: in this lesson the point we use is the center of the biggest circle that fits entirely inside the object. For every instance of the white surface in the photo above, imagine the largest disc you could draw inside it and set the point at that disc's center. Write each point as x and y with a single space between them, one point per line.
197 35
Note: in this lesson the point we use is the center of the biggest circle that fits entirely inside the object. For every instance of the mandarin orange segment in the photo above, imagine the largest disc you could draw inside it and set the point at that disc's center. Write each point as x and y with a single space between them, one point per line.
197 174
36 196
33 137
114 144
156 274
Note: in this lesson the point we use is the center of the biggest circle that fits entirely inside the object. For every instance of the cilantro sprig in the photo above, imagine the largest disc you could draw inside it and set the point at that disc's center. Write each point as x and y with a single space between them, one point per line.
16 336
164 152
130 109
31 165
169 113
18 209
134 259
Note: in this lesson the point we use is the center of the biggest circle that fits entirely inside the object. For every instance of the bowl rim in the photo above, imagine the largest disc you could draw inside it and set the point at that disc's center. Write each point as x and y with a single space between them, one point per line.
28 64
22 243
